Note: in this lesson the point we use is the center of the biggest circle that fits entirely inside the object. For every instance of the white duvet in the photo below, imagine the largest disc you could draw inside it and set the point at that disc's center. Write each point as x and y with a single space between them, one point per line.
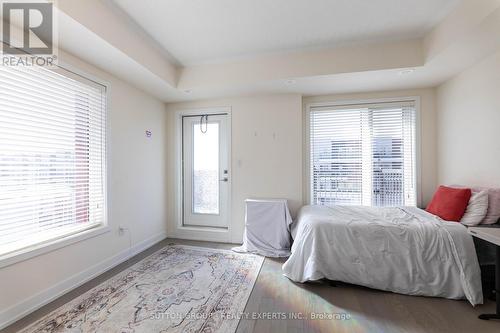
399 249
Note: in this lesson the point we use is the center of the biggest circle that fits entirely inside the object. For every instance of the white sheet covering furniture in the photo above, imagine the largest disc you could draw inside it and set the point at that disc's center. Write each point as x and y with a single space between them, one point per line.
404 250
267 228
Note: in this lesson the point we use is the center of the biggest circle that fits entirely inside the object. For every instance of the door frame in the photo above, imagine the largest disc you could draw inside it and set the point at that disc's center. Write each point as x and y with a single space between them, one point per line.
214 234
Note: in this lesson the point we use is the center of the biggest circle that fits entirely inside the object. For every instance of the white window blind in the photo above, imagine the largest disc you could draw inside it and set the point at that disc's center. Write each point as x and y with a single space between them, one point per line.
363 155
52 155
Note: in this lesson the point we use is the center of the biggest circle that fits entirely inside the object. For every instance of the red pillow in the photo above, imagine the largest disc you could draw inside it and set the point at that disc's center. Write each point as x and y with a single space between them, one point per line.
450 203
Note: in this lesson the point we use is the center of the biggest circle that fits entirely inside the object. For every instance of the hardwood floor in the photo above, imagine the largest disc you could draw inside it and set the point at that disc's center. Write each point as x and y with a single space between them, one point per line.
352 308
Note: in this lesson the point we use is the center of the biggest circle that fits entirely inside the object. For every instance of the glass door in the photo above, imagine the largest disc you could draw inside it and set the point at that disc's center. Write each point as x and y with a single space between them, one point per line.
205 170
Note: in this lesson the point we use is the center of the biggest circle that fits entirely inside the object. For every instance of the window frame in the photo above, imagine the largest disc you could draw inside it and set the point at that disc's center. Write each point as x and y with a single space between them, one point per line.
86 232
307 192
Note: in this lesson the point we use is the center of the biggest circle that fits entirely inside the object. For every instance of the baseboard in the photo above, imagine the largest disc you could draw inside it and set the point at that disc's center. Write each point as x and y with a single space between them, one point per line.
204 238
29 305
202 234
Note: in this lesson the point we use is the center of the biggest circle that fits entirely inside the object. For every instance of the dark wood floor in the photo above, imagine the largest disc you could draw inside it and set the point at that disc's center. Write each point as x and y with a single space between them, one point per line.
363 310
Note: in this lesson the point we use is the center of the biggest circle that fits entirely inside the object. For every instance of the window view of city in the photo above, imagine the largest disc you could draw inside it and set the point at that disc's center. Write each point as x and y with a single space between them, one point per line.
337 173
361 167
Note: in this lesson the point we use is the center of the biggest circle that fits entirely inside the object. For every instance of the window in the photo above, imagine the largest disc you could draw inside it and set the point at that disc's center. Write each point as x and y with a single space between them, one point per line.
52 156
205 169
363 154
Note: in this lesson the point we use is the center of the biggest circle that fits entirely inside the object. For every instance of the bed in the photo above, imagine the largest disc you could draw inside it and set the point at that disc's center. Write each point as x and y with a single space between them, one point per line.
400 249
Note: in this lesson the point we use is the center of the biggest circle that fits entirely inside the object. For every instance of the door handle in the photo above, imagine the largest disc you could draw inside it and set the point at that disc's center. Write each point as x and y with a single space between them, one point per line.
225 179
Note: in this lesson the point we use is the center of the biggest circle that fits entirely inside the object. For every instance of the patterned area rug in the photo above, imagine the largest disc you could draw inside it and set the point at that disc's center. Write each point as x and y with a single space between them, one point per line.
177 289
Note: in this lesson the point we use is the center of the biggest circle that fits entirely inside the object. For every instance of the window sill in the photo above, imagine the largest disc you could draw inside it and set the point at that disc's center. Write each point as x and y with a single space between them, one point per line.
36 250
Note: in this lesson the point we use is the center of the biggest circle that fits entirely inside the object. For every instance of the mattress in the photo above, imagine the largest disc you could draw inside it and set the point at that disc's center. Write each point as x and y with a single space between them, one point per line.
400 249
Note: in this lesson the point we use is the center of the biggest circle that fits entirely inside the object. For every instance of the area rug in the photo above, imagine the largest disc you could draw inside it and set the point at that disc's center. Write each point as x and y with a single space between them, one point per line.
176 289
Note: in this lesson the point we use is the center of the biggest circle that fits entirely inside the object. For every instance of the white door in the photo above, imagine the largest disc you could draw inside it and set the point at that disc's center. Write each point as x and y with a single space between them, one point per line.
206 174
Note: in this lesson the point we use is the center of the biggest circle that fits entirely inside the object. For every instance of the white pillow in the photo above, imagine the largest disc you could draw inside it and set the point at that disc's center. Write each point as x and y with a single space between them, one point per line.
476 209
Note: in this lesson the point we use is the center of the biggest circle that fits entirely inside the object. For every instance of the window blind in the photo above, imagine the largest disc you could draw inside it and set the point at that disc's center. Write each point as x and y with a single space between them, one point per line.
363 155
52 155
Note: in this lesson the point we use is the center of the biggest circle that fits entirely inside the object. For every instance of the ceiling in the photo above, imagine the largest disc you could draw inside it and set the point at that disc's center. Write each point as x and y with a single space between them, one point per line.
180 50
198 32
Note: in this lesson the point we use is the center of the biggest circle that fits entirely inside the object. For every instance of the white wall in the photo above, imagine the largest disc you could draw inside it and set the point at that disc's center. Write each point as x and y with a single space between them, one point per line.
428 130
469 126
137 201
267 161
266 152
267 167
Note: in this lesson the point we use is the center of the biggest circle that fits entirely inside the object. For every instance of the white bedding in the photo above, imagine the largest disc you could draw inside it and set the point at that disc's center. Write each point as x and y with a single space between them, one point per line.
399 249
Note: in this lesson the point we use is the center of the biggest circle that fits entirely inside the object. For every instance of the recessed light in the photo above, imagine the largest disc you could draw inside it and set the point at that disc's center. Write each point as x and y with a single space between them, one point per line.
290 81
407 71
